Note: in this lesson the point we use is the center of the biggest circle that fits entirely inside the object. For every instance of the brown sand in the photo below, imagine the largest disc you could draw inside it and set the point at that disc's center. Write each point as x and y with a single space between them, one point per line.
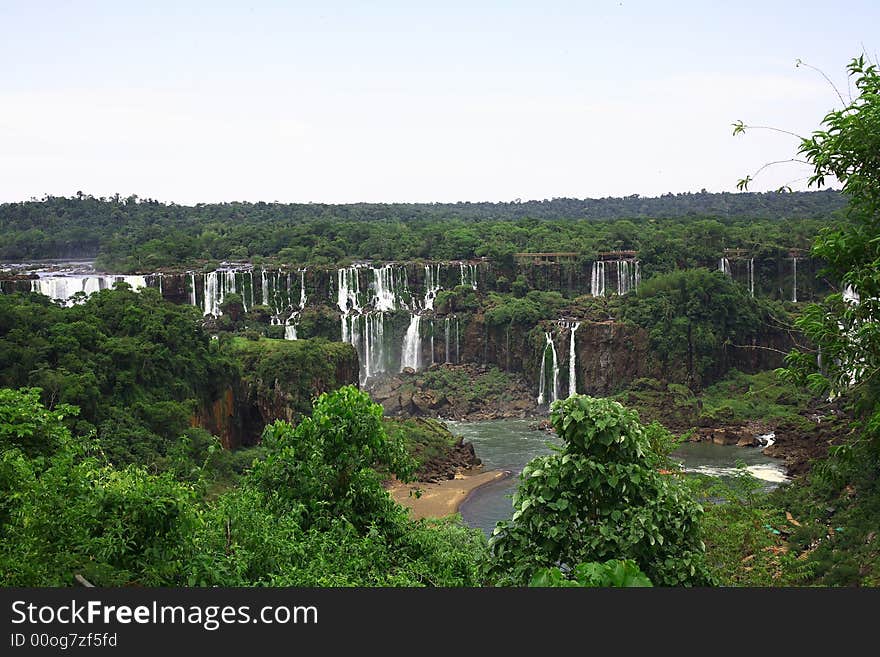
444 498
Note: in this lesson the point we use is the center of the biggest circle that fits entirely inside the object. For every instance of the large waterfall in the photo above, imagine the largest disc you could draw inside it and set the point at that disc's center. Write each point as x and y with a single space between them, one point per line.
63 288
724 267
572 369
542 384
412 352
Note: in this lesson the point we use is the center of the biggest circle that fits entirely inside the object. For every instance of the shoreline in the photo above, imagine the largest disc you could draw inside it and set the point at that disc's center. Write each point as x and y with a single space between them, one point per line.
446 497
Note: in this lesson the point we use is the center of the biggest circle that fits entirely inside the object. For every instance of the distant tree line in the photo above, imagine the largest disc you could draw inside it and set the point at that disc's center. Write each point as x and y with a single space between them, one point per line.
132 234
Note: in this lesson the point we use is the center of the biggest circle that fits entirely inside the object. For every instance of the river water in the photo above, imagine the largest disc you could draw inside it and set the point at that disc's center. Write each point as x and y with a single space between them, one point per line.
511 444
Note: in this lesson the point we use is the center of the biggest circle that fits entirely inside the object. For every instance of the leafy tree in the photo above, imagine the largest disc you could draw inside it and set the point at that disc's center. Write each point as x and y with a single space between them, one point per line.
599 498
845 327
325 465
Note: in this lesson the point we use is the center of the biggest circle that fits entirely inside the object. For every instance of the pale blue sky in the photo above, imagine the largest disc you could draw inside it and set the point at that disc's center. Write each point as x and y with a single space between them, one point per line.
407 101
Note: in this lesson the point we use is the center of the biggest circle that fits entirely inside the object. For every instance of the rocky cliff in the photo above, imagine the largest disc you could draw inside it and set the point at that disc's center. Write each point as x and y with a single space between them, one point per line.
277 381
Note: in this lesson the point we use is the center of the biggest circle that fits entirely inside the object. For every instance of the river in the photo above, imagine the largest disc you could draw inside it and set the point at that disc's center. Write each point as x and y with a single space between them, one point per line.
510 444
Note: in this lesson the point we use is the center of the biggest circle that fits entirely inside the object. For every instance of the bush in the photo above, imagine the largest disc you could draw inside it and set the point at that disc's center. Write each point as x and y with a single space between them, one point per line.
599 498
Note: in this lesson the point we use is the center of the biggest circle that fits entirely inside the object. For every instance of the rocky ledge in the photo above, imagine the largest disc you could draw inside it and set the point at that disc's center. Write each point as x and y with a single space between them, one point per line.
461 457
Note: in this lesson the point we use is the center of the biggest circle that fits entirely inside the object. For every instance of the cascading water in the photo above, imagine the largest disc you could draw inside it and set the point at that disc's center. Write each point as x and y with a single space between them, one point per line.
572 369
212 294
432 285
192 289
383 286
542 384
724 267
597 279
62 288
468 274
348 290
411 354
627 276
794 279
290 327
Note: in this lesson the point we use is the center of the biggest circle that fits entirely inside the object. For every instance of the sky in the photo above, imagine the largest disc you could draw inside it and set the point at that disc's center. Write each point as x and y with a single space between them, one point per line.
372 101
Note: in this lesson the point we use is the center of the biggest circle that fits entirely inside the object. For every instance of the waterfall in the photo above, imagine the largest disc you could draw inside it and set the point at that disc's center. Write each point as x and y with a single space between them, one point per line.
724 267
348 289
542 384
411 356
432 341
432 285
160 276
212 294
290 326
264 288
794 281
62 288
626 277
457 357
446 334
383 285
468 274
752 277
597 279
572 371
302 289
192 289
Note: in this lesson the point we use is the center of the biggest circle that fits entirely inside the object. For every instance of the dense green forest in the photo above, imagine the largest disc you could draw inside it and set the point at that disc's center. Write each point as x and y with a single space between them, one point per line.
144 235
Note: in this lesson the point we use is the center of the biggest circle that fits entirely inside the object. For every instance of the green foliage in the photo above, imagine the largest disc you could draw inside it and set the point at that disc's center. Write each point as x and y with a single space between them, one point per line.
615 572
27 426
146 234
299 369
841 499
425 438
599 498
743 529
763 396
68 512
135 365
324 467
490 385
526 311
692 316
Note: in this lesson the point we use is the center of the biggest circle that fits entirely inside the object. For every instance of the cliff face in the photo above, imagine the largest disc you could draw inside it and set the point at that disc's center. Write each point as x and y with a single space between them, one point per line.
608 355
278 381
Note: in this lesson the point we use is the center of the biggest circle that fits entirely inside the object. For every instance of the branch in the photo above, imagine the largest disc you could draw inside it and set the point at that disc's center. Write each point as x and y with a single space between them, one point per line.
827 79
739 127
757 346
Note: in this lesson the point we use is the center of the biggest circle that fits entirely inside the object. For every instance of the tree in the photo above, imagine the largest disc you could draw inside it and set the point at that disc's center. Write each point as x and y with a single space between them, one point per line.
325 466
600 497
845 327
